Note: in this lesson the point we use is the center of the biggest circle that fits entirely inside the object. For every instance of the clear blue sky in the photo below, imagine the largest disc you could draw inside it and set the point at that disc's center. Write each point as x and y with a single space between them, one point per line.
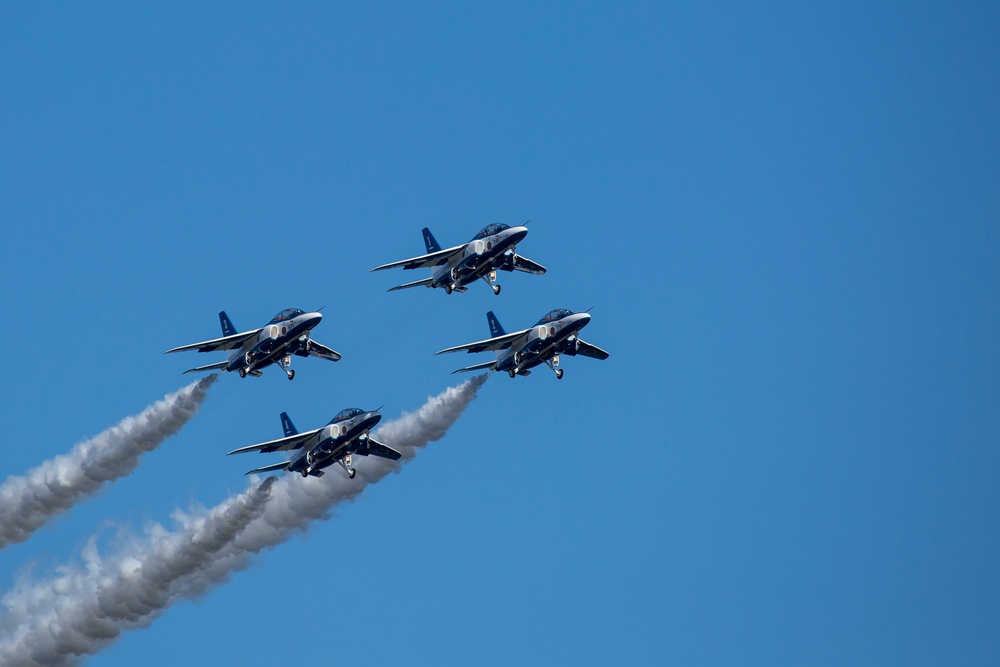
784 217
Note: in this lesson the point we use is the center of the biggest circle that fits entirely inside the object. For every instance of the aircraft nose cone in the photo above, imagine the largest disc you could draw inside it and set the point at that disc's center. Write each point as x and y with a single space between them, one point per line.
517 234
582 319
373 418
312 319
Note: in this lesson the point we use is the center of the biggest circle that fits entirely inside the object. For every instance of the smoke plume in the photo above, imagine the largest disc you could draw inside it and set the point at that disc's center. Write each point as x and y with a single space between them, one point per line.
85 608
28 501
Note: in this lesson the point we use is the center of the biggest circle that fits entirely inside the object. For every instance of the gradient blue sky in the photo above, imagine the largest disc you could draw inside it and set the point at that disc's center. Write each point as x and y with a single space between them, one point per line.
785 218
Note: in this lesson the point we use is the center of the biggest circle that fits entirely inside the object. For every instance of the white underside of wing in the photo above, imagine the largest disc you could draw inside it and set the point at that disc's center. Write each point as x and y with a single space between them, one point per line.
281 444
432 259
226 343
497 343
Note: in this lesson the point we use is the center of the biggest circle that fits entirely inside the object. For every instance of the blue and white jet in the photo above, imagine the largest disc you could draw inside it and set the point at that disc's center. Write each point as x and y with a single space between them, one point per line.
346 435
489 251
553 335
275 343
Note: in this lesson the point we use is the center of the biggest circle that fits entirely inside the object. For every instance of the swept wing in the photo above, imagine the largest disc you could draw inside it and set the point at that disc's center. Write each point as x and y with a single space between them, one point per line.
521 263
497 343
587 350
432 259
282 444
376 448
314 349
225 343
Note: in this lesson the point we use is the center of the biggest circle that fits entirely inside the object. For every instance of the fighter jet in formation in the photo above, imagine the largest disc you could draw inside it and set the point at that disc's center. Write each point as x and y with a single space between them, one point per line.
489 251
250 351
347 434
553 335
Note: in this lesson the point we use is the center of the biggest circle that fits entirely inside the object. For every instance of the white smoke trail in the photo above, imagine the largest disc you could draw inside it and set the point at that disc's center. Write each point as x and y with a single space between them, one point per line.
28 501
85 609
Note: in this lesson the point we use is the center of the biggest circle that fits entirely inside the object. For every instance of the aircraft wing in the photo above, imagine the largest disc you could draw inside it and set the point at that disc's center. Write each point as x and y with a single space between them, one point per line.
274 466
587 350
226 343
376 448
498 343
314 349
520 263
433 259
282 444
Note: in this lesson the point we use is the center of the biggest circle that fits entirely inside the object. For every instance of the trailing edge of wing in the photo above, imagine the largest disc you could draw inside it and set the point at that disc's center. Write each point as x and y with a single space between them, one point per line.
281 444
498 343
226 343
415 283
432 259
489 364
209 367
274 466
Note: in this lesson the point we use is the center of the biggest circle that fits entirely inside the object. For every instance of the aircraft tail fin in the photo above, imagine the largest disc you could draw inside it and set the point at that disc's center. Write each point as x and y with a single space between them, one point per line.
287 425
495 327
227 325
430 241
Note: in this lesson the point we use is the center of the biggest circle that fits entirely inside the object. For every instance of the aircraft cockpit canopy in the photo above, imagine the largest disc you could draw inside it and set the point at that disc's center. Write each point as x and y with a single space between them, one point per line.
554 315
490 230
346 413
286 314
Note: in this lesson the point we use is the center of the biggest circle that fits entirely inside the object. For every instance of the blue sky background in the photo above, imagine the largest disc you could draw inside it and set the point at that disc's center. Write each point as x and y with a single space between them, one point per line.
785 218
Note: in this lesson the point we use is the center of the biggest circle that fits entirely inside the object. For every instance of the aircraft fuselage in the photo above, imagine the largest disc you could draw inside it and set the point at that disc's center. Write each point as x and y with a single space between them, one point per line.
479 257
334 442
275 341
545 342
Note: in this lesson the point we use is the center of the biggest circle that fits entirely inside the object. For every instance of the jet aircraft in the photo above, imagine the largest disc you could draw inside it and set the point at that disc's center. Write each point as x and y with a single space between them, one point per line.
286 334
345 435
490 250
555 334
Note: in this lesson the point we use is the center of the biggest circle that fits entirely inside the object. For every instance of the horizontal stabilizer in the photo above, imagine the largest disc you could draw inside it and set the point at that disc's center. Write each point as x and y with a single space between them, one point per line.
415 283
274 466
209 367
489 364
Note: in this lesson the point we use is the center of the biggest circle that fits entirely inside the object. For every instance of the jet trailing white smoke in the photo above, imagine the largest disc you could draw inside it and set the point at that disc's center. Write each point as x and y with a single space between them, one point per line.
85 608
28 501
